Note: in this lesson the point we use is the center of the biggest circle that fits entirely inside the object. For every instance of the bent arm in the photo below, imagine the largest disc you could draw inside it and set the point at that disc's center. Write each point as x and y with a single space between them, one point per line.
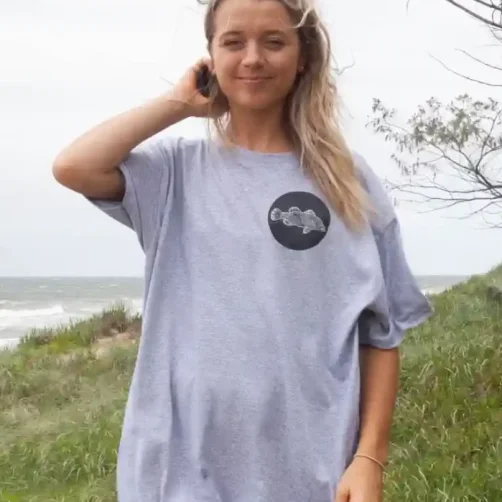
89 165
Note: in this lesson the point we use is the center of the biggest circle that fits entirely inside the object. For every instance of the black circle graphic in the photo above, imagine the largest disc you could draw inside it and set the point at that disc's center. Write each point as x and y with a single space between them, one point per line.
299 220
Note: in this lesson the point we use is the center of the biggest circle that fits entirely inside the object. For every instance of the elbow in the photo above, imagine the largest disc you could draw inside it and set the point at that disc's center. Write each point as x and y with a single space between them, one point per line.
64 172
59 171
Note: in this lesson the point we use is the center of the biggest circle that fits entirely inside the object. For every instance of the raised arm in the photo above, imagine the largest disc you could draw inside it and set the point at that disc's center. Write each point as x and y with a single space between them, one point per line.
89 165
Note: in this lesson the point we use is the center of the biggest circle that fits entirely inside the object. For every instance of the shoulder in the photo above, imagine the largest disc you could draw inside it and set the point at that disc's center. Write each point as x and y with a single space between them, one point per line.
367 175
183 150
176 145
381 203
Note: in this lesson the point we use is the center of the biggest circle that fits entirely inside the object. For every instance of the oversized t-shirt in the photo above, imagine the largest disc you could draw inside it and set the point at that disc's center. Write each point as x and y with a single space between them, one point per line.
257 299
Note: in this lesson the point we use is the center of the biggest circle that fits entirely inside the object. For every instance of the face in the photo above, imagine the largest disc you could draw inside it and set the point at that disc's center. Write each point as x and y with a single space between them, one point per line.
256 52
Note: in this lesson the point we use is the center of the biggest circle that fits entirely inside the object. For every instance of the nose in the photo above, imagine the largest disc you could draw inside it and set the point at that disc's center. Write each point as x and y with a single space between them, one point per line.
253 56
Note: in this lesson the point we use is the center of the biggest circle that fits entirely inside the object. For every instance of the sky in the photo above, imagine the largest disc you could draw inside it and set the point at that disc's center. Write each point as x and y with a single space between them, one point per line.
67 65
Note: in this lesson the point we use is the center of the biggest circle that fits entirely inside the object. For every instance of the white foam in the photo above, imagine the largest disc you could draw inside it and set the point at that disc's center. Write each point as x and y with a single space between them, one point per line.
45 312
18 322
137 306
9 343
31 318
434 290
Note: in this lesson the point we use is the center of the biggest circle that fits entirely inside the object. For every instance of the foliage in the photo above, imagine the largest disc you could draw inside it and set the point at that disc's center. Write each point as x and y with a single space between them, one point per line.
449 154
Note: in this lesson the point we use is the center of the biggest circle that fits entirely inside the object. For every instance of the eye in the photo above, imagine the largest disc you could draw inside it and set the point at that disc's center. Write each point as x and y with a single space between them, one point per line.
232 44
275 44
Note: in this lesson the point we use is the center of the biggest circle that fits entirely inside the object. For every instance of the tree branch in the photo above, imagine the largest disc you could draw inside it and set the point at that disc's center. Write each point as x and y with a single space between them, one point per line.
453 142
473 14
489 5
493 67
464 76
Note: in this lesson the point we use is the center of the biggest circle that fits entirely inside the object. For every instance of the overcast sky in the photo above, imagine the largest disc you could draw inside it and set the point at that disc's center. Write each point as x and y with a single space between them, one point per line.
68 64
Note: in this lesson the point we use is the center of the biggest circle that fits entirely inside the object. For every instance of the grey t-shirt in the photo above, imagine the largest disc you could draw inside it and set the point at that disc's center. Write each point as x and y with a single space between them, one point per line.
246 386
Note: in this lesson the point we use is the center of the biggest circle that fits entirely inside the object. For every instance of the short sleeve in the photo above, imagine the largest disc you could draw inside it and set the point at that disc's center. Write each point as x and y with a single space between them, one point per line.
148 172
399 304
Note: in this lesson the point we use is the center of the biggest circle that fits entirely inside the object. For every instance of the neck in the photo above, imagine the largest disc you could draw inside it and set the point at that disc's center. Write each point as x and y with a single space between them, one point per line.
261 131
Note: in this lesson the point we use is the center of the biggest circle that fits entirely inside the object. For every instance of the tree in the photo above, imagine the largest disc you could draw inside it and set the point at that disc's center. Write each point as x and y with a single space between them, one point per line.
488 12
456 152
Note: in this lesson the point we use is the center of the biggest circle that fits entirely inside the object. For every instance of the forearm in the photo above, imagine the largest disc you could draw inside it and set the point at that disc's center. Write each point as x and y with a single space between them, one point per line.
379 384
107 144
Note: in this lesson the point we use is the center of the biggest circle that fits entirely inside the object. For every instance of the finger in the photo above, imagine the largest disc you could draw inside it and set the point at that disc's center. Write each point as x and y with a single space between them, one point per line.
203 62
209 63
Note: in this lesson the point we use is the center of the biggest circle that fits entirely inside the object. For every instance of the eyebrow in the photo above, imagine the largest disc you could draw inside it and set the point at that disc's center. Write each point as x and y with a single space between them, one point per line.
239 32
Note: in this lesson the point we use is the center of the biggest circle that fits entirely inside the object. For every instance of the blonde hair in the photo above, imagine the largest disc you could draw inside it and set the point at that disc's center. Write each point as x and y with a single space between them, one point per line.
313 116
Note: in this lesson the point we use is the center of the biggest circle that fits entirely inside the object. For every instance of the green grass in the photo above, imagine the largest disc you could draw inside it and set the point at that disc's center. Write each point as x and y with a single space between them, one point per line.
61 408
61 416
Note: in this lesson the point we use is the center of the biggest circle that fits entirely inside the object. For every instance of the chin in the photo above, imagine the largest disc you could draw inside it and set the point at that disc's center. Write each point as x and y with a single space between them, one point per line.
255 102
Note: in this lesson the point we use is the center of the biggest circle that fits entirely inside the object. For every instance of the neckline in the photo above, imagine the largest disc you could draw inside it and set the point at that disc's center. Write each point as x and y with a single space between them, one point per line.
255 158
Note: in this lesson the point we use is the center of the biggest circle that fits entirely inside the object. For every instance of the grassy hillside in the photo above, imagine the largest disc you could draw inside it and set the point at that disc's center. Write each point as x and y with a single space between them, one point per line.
62 396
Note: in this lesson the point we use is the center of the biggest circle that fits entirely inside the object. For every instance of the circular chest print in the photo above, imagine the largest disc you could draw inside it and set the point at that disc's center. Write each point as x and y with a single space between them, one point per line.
299 220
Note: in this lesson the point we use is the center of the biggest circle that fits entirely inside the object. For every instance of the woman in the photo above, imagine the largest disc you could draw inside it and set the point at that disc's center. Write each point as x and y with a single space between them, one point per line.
277 291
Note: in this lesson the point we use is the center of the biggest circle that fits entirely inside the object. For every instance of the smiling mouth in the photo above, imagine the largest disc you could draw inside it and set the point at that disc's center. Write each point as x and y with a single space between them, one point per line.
254 79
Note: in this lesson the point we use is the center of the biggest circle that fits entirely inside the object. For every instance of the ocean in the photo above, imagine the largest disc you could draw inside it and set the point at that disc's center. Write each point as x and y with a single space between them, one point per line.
27 303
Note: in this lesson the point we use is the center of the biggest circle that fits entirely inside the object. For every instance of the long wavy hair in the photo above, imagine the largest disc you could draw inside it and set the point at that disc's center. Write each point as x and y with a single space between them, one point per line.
312 113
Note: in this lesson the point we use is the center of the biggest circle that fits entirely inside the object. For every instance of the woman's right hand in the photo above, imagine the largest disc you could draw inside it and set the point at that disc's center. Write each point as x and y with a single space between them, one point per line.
186 92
